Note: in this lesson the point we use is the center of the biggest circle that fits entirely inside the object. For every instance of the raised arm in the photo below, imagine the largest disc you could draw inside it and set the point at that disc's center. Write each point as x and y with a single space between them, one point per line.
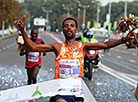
109 44
98 46
42 42
30 44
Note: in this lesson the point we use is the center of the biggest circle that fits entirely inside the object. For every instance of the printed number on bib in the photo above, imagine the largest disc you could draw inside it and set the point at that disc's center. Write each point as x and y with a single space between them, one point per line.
33 56
69 68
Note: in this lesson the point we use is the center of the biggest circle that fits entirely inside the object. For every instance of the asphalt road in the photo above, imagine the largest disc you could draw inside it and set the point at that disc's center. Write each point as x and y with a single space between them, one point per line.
114 81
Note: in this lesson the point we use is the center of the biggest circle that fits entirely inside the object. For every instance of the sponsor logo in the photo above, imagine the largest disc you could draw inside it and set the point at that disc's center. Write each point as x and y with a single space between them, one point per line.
37 92
69 89
10 98
76 50
64 66
77 62
80 90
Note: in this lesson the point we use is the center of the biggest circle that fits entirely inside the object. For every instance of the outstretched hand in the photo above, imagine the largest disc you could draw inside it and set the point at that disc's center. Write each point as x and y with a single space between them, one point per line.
131 35
20 24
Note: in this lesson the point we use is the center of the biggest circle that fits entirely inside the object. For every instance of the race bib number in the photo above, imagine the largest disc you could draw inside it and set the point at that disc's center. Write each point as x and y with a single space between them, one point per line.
33 56
69 68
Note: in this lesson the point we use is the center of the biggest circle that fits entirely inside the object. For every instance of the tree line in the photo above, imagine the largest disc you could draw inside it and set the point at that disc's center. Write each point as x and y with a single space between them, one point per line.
59 10
9 12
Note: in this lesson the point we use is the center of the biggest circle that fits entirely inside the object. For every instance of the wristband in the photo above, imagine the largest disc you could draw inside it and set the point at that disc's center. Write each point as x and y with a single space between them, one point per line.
123 40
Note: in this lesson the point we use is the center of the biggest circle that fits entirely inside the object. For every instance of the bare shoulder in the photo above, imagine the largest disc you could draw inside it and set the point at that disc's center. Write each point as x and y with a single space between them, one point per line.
56 47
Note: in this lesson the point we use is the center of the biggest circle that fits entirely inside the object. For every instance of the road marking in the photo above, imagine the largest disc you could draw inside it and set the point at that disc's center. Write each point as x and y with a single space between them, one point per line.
134 54
119 57
130 75
124 51
54 37
109 54
118 75
126 65
7 46
133 61
3 48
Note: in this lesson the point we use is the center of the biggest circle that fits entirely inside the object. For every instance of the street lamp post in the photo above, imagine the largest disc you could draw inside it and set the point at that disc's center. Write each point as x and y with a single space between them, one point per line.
68 10
84 12
109 11
125 9
78 19
3 20
98 11
47 12
47 15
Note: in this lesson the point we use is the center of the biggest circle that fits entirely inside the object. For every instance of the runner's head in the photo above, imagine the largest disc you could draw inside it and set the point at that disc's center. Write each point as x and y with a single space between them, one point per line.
85 32
89 35
70 28
34 34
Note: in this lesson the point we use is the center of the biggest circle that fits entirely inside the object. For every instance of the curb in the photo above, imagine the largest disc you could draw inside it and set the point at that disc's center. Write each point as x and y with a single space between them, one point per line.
7 36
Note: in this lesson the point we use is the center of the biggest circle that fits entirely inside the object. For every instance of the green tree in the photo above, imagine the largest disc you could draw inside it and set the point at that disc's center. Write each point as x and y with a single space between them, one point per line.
34 9
10 11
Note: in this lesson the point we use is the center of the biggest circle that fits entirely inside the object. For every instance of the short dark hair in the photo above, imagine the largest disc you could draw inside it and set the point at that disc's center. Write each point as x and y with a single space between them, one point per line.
34 30
69 18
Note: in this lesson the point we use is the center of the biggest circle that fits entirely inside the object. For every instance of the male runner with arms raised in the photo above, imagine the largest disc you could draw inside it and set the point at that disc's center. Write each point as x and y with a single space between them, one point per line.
70 50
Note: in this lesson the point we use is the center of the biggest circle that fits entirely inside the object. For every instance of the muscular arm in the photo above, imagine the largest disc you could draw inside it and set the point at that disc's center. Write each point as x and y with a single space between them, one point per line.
98 46
30 44
109 44
42 42
36 48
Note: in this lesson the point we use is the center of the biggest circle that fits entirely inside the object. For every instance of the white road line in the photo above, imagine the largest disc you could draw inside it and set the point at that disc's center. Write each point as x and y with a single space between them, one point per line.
54 37
130 75
10 45
118 75
108 53
133 61
134 54
119 57
124 51
7 46
3 48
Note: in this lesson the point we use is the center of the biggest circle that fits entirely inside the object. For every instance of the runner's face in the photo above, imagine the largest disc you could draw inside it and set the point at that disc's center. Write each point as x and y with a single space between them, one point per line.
34 35
69 29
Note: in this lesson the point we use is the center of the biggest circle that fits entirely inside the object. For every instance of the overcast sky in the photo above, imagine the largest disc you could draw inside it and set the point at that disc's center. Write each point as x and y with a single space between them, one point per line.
104 2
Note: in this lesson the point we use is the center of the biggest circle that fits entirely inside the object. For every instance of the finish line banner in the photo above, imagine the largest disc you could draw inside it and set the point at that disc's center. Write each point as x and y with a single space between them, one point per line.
47 89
